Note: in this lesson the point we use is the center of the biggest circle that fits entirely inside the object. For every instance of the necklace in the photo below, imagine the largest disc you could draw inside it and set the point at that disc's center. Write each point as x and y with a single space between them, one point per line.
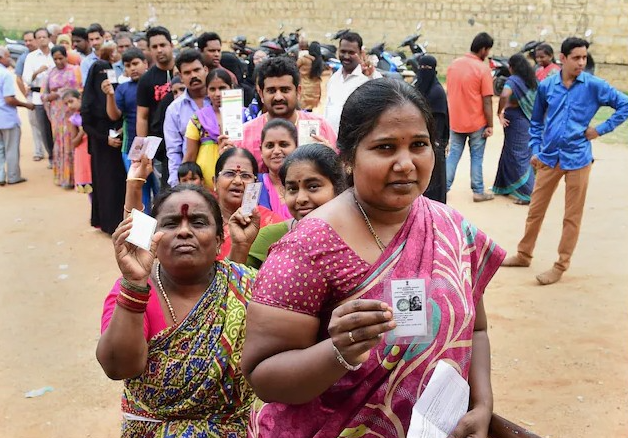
379 242
165 295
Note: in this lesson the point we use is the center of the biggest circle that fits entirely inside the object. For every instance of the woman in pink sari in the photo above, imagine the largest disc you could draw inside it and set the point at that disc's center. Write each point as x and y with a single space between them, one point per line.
324 347
63 77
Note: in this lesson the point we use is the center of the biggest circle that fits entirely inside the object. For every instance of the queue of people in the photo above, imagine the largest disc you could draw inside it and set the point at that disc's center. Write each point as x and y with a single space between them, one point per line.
284 321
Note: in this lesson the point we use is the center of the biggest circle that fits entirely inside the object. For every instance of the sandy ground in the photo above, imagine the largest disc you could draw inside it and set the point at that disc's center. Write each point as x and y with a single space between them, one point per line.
559 352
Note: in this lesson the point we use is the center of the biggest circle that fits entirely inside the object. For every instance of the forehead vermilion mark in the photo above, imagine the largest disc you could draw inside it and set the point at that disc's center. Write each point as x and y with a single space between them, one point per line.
184 210
238 167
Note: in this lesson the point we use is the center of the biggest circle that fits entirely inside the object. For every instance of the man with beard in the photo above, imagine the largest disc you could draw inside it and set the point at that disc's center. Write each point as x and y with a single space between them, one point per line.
95 34
151 89
278 84
352 74
80 42
36 67
193 74
210 45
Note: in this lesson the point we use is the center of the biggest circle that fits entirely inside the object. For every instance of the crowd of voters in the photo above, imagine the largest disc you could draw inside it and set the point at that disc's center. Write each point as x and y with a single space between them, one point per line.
313 276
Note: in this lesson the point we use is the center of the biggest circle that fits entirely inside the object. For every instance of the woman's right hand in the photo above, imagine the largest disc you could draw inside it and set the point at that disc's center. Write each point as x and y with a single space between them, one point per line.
135 263
503 120
140 169
362 321
224 143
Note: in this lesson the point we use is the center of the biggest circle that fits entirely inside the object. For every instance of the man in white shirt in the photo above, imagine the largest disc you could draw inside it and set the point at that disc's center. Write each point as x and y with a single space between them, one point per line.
36 67
348 78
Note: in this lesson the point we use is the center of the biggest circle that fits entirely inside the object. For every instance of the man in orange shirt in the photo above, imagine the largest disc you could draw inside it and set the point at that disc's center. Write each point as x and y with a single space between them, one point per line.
469 98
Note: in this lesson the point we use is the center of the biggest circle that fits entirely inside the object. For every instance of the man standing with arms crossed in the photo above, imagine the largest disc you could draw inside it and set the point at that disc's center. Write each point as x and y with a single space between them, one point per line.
561 137
469 97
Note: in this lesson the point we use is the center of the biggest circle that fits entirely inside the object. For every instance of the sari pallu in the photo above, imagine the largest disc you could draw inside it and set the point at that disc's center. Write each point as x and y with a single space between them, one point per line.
514 173
192 385
437 244
205 121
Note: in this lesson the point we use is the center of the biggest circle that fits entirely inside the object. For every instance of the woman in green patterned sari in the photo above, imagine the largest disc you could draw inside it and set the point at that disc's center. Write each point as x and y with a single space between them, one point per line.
173 328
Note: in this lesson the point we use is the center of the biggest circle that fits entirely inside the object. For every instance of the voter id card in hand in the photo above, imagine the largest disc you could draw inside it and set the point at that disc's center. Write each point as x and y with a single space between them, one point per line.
142 230
111 75
409 307
251 198
306 129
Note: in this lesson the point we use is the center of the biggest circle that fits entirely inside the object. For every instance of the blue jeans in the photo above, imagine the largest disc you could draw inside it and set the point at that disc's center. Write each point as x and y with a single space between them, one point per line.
476 150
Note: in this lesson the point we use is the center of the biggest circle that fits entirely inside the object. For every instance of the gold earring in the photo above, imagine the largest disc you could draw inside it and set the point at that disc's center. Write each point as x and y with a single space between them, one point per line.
349 170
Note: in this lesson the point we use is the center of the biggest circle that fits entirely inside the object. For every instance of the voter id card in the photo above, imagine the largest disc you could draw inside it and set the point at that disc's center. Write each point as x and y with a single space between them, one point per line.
409 302
251 198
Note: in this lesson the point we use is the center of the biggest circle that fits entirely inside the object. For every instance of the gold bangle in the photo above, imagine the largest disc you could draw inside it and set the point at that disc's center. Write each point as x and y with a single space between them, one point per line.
129 211
137 179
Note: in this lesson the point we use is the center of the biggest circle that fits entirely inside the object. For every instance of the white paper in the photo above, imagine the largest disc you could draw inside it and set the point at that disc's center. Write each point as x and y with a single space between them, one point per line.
442 404
142 230
113 133
151 144
250 198
136 149
409 307
231 113
144 146
111 75
306 129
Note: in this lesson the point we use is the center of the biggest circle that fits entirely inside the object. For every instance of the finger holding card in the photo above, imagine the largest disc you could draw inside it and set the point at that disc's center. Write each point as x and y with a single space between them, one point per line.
243 229
141 168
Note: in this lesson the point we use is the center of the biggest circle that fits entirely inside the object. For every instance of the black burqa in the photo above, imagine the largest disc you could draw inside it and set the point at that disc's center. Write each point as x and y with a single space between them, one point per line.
429 86
108 173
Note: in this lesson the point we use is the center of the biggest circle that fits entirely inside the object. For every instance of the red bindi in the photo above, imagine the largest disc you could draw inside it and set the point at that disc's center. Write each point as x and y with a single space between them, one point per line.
184 210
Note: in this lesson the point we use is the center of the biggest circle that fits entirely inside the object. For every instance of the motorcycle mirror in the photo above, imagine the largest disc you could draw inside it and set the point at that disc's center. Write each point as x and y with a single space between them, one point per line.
280 26
471 21
426 43
531 8
419 25
198 27
174 37
127 19
544 32
71 20
132 30
262 39
328 35
349 21
588 33
513 44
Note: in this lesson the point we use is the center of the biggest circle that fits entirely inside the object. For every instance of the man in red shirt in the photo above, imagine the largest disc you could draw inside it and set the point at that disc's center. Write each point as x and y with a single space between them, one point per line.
469 98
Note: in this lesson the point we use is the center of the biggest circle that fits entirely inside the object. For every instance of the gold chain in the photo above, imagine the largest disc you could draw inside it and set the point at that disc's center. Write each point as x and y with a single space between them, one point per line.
379 242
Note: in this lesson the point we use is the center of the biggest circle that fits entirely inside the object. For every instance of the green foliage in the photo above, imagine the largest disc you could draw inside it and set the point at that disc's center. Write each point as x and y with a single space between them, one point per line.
9 33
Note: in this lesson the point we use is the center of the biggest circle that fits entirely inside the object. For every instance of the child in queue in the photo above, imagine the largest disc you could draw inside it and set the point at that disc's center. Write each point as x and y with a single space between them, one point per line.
82 160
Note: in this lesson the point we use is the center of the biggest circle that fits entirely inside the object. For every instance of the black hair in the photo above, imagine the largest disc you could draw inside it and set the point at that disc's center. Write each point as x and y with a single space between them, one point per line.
220 164
208 197
366 104
187 167
156 31
80 32
326 161
571 43
59 49
352 37
544 47
277 67
188 56
219 73
206 37
230 61
318 65
39 29
27 32
140 38
522 68
71 92
95 27
482 41
131 54
281 123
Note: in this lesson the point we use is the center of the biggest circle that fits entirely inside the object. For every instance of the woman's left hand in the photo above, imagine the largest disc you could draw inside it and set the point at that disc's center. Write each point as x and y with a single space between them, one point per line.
474 424
322 140
140 169
244 229
503 120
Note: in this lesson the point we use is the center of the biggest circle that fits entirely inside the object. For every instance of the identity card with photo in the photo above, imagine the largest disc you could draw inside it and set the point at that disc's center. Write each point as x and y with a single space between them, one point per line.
144 146
308 128
142 229
111 75
409 307
251 198
231 113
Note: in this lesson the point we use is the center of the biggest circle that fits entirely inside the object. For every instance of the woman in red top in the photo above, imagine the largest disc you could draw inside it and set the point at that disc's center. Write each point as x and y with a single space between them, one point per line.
546 66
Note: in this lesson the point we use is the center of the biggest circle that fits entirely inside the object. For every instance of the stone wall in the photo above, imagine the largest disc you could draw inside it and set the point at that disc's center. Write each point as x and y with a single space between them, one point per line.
449 25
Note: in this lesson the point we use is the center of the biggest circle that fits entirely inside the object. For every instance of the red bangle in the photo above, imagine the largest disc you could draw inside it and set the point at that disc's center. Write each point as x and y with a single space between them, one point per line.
130 303
142 296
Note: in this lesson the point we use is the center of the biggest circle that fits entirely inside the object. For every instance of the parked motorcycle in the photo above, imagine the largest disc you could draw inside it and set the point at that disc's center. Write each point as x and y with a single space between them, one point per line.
388 64
15 47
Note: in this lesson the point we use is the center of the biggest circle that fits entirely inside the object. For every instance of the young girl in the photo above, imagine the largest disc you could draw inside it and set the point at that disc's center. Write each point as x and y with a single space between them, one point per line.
279 139
82 160
191 173
204 141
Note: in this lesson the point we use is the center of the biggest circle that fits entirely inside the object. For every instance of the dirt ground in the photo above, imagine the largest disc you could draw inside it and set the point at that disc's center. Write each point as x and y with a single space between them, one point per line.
559 352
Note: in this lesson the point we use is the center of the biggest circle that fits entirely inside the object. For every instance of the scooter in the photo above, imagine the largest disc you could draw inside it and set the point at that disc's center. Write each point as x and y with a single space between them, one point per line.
500 73
240 47
388 64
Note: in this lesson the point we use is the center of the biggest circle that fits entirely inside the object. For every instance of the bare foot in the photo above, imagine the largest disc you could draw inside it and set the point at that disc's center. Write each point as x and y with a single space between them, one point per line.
549 277
516 261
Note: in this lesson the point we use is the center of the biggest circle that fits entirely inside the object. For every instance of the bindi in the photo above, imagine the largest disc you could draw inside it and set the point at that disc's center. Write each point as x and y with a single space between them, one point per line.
184 210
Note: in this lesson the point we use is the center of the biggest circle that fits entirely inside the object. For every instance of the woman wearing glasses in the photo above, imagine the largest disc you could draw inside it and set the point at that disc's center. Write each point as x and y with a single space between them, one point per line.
235 169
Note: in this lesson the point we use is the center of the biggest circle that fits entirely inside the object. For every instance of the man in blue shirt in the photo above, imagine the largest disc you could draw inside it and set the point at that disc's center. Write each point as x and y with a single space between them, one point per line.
9 124
95 34
560 138
122 104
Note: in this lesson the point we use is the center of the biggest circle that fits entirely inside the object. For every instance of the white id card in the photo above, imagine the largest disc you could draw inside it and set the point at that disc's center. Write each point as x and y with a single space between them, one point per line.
144 146
409 307
151 144
308 128
137 149
111 75
251 198
231 112
142 230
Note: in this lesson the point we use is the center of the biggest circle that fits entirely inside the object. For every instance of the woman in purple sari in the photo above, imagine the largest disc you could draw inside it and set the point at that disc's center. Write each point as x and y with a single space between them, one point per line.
323 348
